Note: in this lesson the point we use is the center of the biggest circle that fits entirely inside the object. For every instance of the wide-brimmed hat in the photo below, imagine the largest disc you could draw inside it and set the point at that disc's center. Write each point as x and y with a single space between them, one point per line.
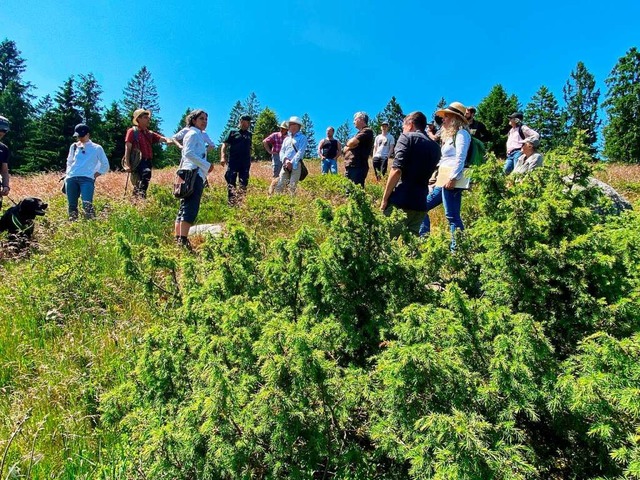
285 125
517 115
456 108
296 120
137 113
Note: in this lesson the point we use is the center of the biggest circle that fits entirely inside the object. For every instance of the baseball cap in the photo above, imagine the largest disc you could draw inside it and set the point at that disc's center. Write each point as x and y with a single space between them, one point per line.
81 130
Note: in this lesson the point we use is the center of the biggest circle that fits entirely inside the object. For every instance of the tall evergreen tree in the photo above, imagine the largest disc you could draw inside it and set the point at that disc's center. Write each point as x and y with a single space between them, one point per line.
66 115
15 99
392 113
581 103
89 102
233 120
251 106
543 115
344 132
494 111
622 133
41 151
312 145
114 129
265 125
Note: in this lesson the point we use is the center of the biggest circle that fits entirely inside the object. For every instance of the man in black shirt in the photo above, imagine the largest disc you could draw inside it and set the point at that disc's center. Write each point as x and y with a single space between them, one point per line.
416 158
328 150
358 149
238 142
4 157
476 127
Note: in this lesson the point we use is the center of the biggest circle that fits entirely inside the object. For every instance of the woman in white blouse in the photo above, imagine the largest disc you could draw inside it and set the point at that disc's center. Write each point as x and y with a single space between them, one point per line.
456 141
194 156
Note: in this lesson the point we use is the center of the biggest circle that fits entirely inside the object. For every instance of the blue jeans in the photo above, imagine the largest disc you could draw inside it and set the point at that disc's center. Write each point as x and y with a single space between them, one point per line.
510 163
77 187
452 202
329 165
276 164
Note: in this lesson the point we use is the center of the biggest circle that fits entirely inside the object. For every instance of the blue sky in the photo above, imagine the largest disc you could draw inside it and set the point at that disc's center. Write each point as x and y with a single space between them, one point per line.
327 58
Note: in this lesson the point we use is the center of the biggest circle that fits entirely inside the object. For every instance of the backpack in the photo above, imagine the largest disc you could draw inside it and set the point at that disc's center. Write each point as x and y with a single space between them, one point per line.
475 153
136 156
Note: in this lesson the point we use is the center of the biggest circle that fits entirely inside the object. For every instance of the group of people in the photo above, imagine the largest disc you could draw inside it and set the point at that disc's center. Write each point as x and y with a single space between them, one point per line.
428 161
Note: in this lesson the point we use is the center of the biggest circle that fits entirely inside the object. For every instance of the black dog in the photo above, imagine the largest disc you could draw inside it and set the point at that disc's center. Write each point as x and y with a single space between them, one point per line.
18 220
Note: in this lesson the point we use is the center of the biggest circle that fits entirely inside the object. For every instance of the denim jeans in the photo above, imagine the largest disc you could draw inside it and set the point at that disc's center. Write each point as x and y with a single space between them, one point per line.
510 163
80 187
329 165
276 164
452 202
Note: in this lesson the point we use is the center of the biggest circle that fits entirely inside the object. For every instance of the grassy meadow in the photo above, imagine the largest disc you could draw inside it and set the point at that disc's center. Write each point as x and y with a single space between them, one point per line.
72 323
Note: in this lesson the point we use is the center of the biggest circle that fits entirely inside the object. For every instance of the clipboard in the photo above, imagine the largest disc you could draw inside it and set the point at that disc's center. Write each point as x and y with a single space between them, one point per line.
444 174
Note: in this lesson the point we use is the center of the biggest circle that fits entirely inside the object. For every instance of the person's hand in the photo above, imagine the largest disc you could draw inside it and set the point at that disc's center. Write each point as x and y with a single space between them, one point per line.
96 175
223 161
5 190
383 204
288 165
450 185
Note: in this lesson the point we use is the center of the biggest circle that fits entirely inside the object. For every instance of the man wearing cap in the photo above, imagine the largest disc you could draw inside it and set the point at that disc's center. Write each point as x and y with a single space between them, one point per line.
415 160
85 162
358 149
237 146
139 141
5 126
518 134
293 149
328 150
273 145
382 150
529 158
476 127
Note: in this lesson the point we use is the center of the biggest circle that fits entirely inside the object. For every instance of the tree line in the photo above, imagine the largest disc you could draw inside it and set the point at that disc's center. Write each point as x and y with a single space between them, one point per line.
42 129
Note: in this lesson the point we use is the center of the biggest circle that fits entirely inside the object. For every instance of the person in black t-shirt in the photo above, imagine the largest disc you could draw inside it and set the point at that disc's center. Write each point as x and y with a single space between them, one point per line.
4 157
358 149
329 149
238 143
416 158
476 127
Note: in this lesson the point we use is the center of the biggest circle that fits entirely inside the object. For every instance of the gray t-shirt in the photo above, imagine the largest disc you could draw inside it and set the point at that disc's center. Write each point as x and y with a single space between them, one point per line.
526 164
382 145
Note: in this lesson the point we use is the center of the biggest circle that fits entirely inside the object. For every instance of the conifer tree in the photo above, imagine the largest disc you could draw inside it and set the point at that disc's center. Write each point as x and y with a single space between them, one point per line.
15 99
307 129
141 92
622 133
392 113
265 125
581 100
41 148
114 130
543 115
89 102
494 111
233 121
344 133
251 107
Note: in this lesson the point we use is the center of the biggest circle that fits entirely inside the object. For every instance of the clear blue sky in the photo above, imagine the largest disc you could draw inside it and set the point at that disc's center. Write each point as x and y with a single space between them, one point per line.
327 58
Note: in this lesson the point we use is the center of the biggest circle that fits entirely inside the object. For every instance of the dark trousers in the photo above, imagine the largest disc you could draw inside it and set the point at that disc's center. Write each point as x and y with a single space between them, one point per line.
142 178
380 166
357 174
231 176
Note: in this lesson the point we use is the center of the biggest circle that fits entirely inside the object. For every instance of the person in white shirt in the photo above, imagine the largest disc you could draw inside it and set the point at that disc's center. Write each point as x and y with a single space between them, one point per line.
85 162
516 137
529 159
195 144
383 146
456 141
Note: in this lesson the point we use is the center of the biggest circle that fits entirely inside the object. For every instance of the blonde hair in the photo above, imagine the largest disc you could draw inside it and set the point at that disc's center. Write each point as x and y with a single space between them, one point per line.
452 130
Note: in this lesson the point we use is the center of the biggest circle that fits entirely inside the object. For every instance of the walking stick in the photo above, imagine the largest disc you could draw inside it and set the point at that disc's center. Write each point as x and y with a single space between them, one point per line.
126 185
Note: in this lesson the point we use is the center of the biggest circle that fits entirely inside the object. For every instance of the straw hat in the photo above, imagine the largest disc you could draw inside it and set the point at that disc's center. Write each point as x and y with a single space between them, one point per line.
297 120
137 113
456 108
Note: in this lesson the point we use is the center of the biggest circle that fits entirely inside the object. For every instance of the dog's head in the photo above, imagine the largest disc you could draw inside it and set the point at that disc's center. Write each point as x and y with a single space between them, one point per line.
31 207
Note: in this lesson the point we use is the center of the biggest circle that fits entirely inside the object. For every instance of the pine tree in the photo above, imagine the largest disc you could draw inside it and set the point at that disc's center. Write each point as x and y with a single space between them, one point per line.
89 102
115 128
233 121
141 92
343 133
441 104
266 124
41 150
251 106
581 100
543 115
15 99
494 111
307 129
622 133
392 113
